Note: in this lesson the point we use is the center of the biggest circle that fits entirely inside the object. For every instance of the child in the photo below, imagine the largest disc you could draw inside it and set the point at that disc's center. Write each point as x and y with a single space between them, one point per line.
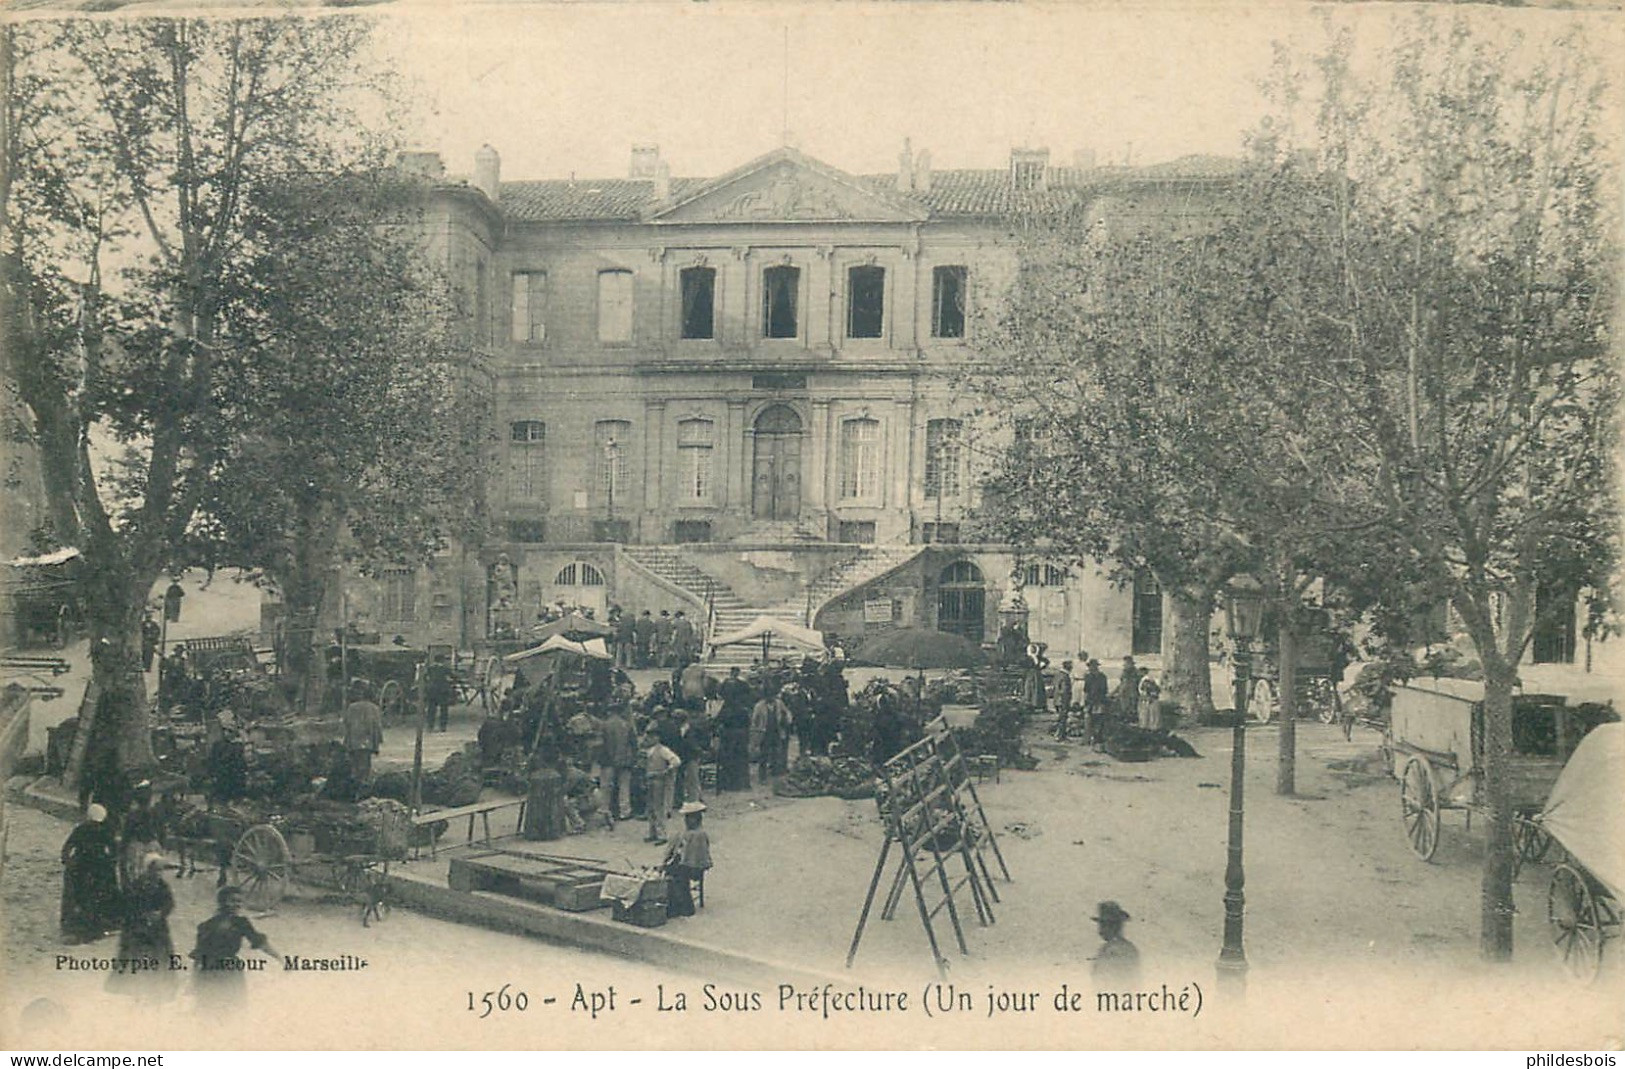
686 861
660 766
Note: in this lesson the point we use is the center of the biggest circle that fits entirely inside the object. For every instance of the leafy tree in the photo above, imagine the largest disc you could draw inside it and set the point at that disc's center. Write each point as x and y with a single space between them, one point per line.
1476 247
136 150
369 448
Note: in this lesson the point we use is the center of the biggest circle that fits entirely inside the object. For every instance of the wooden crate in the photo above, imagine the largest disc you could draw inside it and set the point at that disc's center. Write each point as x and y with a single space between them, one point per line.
645 914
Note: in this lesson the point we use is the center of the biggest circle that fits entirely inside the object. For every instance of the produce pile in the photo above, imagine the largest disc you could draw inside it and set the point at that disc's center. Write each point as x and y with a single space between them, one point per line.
997 730
456 782
843 777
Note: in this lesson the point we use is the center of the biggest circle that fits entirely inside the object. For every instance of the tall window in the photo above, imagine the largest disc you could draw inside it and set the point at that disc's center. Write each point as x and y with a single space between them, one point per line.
1555 630
860 458
865 301
399 594
529 307
699 292
948 302
694 448
1147 637
612 436
780 290
527 472
482 306
943 457
615 306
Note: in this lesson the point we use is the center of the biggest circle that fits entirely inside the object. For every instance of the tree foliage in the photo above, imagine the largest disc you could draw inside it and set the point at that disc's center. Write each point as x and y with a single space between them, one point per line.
139 153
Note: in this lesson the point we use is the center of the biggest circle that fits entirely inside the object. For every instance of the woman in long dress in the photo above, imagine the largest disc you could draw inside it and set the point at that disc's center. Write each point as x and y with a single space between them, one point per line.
90 894
144 942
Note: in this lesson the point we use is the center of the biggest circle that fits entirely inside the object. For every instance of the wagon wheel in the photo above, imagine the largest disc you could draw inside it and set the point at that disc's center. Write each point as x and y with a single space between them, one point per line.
1571 909
1530 843
261 865
1419 805
1325 698
1263 711
392 700
490 681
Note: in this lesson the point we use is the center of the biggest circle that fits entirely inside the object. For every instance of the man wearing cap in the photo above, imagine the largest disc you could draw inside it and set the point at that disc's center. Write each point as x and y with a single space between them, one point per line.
1063 698
1117 962
660 773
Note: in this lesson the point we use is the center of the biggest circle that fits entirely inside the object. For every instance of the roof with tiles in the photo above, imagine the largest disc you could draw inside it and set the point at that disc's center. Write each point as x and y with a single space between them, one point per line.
953 193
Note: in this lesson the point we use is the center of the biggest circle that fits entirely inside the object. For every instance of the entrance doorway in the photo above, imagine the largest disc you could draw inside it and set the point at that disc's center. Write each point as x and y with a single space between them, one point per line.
962 601
776 471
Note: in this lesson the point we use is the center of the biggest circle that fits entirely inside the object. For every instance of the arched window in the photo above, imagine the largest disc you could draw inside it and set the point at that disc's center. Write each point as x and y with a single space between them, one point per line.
960 571
527 455
860 458
579 573
695 441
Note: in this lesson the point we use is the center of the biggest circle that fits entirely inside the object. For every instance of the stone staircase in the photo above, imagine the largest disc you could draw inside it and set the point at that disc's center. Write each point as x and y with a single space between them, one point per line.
734 612
869 564
776 532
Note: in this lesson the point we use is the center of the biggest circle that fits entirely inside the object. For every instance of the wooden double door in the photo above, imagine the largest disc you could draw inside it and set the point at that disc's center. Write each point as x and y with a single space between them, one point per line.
776 465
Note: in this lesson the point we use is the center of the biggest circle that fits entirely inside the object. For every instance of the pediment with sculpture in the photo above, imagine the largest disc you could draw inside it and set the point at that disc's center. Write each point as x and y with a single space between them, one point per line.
787 187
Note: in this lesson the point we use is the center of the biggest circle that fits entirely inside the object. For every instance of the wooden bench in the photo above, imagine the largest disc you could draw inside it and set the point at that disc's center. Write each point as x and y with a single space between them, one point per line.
483 810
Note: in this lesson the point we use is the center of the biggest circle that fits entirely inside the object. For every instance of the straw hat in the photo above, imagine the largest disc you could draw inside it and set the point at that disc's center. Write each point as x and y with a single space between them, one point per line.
691 807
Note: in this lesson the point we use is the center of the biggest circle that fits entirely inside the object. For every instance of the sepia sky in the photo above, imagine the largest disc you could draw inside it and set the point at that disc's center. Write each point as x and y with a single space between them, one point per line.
562 89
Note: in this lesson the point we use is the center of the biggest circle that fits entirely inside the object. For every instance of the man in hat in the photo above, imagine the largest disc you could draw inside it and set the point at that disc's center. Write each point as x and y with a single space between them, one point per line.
437 692
1117 962
660 770
363 733
1063 698
1096 692
643 636
665 629
685 640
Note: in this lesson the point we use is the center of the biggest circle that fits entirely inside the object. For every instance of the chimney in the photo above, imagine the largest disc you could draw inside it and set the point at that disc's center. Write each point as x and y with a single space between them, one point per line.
1029 169
662 183
421 165
905 168
1084 159
487 171
922 171
645 161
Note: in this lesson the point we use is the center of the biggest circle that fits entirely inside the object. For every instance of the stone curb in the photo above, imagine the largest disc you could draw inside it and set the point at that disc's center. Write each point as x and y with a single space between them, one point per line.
591 932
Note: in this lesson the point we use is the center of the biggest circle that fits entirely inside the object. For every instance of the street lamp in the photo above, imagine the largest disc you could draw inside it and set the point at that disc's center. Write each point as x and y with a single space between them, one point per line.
612 456
1243 612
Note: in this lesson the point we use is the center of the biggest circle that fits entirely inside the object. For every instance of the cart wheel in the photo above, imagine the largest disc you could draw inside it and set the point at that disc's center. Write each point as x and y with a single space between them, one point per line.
261 865
490 681
1419 805
1530 843
1324 696
1263 711
392 700
1577 934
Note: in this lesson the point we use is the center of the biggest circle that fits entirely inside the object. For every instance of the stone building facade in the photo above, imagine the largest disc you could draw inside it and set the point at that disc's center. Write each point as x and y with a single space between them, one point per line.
740 395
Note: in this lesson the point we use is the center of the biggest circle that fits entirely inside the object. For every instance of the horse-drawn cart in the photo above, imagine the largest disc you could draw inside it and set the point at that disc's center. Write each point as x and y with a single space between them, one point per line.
1588 883
346 847
1434 745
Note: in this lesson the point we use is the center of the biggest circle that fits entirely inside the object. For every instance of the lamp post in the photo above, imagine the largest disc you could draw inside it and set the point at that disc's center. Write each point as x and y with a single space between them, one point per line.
1243 610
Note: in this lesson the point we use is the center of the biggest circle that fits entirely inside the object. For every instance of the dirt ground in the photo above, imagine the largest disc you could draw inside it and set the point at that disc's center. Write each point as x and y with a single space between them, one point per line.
1352 940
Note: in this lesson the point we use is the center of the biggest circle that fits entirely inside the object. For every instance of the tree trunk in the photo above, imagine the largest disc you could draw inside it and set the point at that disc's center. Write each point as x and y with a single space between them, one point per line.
304 590
1188 679
1495 900
1287 765
119 733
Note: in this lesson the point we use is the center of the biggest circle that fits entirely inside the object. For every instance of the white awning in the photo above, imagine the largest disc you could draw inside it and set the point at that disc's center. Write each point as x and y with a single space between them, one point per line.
1582 812
56 556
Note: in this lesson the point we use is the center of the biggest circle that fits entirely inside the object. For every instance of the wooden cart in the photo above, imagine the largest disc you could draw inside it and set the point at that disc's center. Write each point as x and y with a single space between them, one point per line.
1588 882
1434 745
351 856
